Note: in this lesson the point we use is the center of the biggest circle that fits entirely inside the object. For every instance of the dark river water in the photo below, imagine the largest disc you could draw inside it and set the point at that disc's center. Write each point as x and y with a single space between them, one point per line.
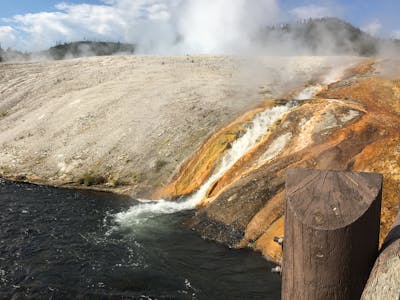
65 244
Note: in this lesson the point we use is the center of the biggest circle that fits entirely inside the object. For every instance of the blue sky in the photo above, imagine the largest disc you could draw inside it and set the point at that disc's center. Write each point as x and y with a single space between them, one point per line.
38 24
16 7
361 12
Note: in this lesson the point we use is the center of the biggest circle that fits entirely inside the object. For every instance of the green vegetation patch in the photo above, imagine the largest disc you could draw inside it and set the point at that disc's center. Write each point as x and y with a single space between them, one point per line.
3 114
89 179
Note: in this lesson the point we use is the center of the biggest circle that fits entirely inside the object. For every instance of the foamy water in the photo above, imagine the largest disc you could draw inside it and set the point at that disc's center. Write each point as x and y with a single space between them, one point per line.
309 92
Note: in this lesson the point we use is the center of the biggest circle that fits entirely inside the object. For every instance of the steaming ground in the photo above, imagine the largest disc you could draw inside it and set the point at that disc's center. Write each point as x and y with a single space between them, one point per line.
131 119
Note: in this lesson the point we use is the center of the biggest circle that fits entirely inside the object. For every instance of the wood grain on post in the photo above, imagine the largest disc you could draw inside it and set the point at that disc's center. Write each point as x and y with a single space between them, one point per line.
384 281
331 238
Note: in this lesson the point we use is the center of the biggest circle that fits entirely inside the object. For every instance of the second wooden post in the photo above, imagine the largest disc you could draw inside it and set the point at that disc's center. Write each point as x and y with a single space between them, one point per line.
331 238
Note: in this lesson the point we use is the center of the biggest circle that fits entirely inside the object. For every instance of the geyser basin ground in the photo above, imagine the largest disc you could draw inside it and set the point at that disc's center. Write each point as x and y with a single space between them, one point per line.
130 122
57 243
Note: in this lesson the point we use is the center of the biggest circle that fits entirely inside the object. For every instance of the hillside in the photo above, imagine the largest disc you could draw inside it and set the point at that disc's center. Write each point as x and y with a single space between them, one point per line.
69 50
326 36
129 122
88 48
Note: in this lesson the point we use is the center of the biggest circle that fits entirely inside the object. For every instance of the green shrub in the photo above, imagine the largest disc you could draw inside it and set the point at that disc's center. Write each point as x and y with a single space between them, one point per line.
90 179
120 182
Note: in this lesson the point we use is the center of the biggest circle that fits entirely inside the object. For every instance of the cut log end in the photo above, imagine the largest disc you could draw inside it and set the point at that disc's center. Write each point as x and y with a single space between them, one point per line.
331 236
328 200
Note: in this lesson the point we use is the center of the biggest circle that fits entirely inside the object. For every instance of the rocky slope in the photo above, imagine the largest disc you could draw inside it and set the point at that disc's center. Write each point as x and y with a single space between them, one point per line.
353 124
127 123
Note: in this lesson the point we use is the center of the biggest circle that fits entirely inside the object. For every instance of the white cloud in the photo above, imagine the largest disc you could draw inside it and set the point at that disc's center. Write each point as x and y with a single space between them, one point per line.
313 11
160 26
373 28
71 22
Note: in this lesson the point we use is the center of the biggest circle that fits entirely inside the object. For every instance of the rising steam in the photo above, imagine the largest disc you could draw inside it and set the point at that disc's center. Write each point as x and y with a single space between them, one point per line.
194 26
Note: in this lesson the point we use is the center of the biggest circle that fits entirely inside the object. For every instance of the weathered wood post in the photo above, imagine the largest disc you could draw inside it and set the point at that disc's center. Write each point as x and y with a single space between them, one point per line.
331 237
384 281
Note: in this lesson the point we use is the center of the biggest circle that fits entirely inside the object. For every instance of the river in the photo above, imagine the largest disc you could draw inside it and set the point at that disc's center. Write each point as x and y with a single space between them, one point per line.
68 244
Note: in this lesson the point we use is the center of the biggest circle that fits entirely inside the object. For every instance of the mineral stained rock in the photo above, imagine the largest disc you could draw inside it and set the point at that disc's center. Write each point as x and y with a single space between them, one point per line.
353 124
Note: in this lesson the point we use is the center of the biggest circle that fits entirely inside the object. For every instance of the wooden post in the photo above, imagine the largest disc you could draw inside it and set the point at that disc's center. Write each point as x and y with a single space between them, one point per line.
331 238
384 281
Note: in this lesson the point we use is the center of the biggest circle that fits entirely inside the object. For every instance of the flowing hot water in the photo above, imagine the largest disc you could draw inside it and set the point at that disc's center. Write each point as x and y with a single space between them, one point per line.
311 91
254 133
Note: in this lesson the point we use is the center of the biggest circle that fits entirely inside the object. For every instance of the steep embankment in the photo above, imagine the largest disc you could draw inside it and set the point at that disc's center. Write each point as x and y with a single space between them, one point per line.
128 123
353 124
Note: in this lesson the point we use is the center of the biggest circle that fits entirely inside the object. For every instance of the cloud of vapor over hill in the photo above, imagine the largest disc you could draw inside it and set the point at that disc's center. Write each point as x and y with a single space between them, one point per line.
197 27
223 25
156 26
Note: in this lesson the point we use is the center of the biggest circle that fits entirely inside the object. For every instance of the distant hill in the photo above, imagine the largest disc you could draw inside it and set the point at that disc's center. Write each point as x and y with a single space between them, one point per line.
325 36
88 48
69 50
